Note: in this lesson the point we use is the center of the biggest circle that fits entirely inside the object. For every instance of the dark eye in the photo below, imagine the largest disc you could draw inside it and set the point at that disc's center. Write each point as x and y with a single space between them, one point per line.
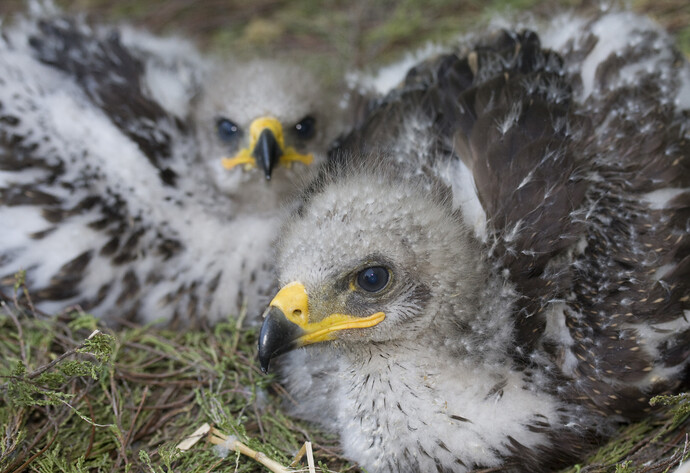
373 279
306 128
227 130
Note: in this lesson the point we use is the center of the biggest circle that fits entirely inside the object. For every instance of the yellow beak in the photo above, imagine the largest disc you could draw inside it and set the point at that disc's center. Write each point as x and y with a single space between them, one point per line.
287 324
266 148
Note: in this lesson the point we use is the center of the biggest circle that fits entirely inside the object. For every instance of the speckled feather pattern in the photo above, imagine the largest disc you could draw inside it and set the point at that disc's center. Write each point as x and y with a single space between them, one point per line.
112 193
531 205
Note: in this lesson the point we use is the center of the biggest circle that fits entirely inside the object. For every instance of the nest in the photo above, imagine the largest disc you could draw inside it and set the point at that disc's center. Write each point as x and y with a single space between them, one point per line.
79 396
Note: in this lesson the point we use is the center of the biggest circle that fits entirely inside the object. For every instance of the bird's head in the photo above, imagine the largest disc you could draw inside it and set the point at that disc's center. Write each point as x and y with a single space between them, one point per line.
366 260
263 121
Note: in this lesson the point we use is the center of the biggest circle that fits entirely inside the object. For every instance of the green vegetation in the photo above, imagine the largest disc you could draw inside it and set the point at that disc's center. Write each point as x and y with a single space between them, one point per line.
77 397
80 397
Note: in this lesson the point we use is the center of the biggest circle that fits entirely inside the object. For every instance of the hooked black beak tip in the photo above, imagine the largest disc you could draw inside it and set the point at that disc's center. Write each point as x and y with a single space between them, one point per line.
277 336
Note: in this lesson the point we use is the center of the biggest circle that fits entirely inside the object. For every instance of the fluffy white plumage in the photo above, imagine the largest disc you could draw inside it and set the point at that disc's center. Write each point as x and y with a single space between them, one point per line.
112 190
494 272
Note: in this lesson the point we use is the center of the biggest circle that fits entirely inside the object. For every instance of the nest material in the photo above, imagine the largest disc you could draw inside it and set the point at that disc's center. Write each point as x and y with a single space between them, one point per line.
78 396
125 398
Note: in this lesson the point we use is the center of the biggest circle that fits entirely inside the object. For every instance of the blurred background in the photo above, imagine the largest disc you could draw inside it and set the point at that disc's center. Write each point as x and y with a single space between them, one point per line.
335 35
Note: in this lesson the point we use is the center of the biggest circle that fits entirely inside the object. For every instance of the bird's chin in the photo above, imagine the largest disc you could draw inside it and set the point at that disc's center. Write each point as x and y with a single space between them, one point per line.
251 189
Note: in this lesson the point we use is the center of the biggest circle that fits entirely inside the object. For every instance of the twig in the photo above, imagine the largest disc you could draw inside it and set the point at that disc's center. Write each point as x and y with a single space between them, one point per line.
181 383
93 428
190 441
136 414
219 438
165 418
84 418
20 332
213 467
57 360
150 362
256 411
238 325
12 439
38 454
25 290
146 376
181 402
685 449
305 450
300 454
54 421
310 458
163 398
258 422
115 403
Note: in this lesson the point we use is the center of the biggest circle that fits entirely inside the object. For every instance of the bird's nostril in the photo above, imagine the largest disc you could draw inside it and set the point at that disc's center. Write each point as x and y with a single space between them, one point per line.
297 313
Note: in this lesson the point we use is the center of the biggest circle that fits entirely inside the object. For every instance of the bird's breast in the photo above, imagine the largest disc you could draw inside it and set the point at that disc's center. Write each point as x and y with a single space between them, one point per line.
410 411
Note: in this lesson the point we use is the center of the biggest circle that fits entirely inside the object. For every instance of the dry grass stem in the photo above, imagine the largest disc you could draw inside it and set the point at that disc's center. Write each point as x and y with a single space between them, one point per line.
231 443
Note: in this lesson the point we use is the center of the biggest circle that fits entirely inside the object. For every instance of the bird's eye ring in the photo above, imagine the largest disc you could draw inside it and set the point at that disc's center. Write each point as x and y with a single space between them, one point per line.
305 128
373 279
227 130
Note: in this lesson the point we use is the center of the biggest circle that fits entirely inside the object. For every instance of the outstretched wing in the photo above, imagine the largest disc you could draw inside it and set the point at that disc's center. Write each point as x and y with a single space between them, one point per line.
516 129
585 188
113 78
583 182
504 109
88 195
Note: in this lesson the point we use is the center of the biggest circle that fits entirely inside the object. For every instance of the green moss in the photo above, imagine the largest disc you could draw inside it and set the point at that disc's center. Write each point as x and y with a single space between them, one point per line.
100 345
679 405
624 467
123 401
19 280
79 368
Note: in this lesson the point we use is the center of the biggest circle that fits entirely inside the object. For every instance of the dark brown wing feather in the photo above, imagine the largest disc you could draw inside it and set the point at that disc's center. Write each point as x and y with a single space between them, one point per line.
562 183
111 76
566 172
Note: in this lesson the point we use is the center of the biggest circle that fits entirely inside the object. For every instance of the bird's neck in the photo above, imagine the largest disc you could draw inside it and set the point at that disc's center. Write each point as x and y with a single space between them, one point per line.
474 405
478 327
